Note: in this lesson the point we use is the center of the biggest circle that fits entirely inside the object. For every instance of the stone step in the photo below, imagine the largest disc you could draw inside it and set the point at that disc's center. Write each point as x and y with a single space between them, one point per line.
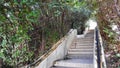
78 63
80 40
81 47
90 36
71 52
82 44
80 50
84 41
84 38
90 33
82 56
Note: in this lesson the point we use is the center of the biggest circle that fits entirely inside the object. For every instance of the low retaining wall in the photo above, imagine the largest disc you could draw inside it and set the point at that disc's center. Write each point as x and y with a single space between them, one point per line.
58 51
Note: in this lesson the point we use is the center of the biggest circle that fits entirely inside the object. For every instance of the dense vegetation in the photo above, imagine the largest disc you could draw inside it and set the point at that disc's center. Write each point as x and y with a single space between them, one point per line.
108 18
29 27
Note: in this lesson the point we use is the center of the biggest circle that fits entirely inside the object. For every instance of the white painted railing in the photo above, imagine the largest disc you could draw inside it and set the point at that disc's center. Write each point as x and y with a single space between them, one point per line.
57 52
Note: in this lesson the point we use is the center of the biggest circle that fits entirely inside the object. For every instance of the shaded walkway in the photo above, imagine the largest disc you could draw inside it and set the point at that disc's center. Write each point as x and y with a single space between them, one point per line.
80 53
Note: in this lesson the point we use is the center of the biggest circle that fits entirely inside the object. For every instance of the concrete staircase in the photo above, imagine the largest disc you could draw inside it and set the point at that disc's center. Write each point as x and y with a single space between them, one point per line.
80 54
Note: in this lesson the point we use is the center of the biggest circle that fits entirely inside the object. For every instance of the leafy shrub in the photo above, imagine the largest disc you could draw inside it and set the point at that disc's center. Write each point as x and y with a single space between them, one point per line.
28 28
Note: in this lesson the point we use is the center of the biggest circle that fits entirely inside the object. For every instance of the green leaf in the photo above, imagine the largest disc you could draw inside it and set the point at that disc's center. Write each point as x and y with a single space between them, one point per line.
2 55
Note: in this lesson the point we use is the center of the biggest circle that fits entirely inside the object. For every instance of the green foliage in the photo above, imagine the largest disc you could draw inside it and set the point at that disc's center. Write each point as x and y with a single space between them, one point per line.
79 18
16 20
107 17
108 32
28 27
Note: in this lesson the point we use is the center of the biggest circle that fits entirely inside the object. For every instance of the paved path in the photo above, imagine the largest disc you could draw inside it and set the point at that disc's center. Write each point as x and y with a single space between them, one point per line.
80 54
